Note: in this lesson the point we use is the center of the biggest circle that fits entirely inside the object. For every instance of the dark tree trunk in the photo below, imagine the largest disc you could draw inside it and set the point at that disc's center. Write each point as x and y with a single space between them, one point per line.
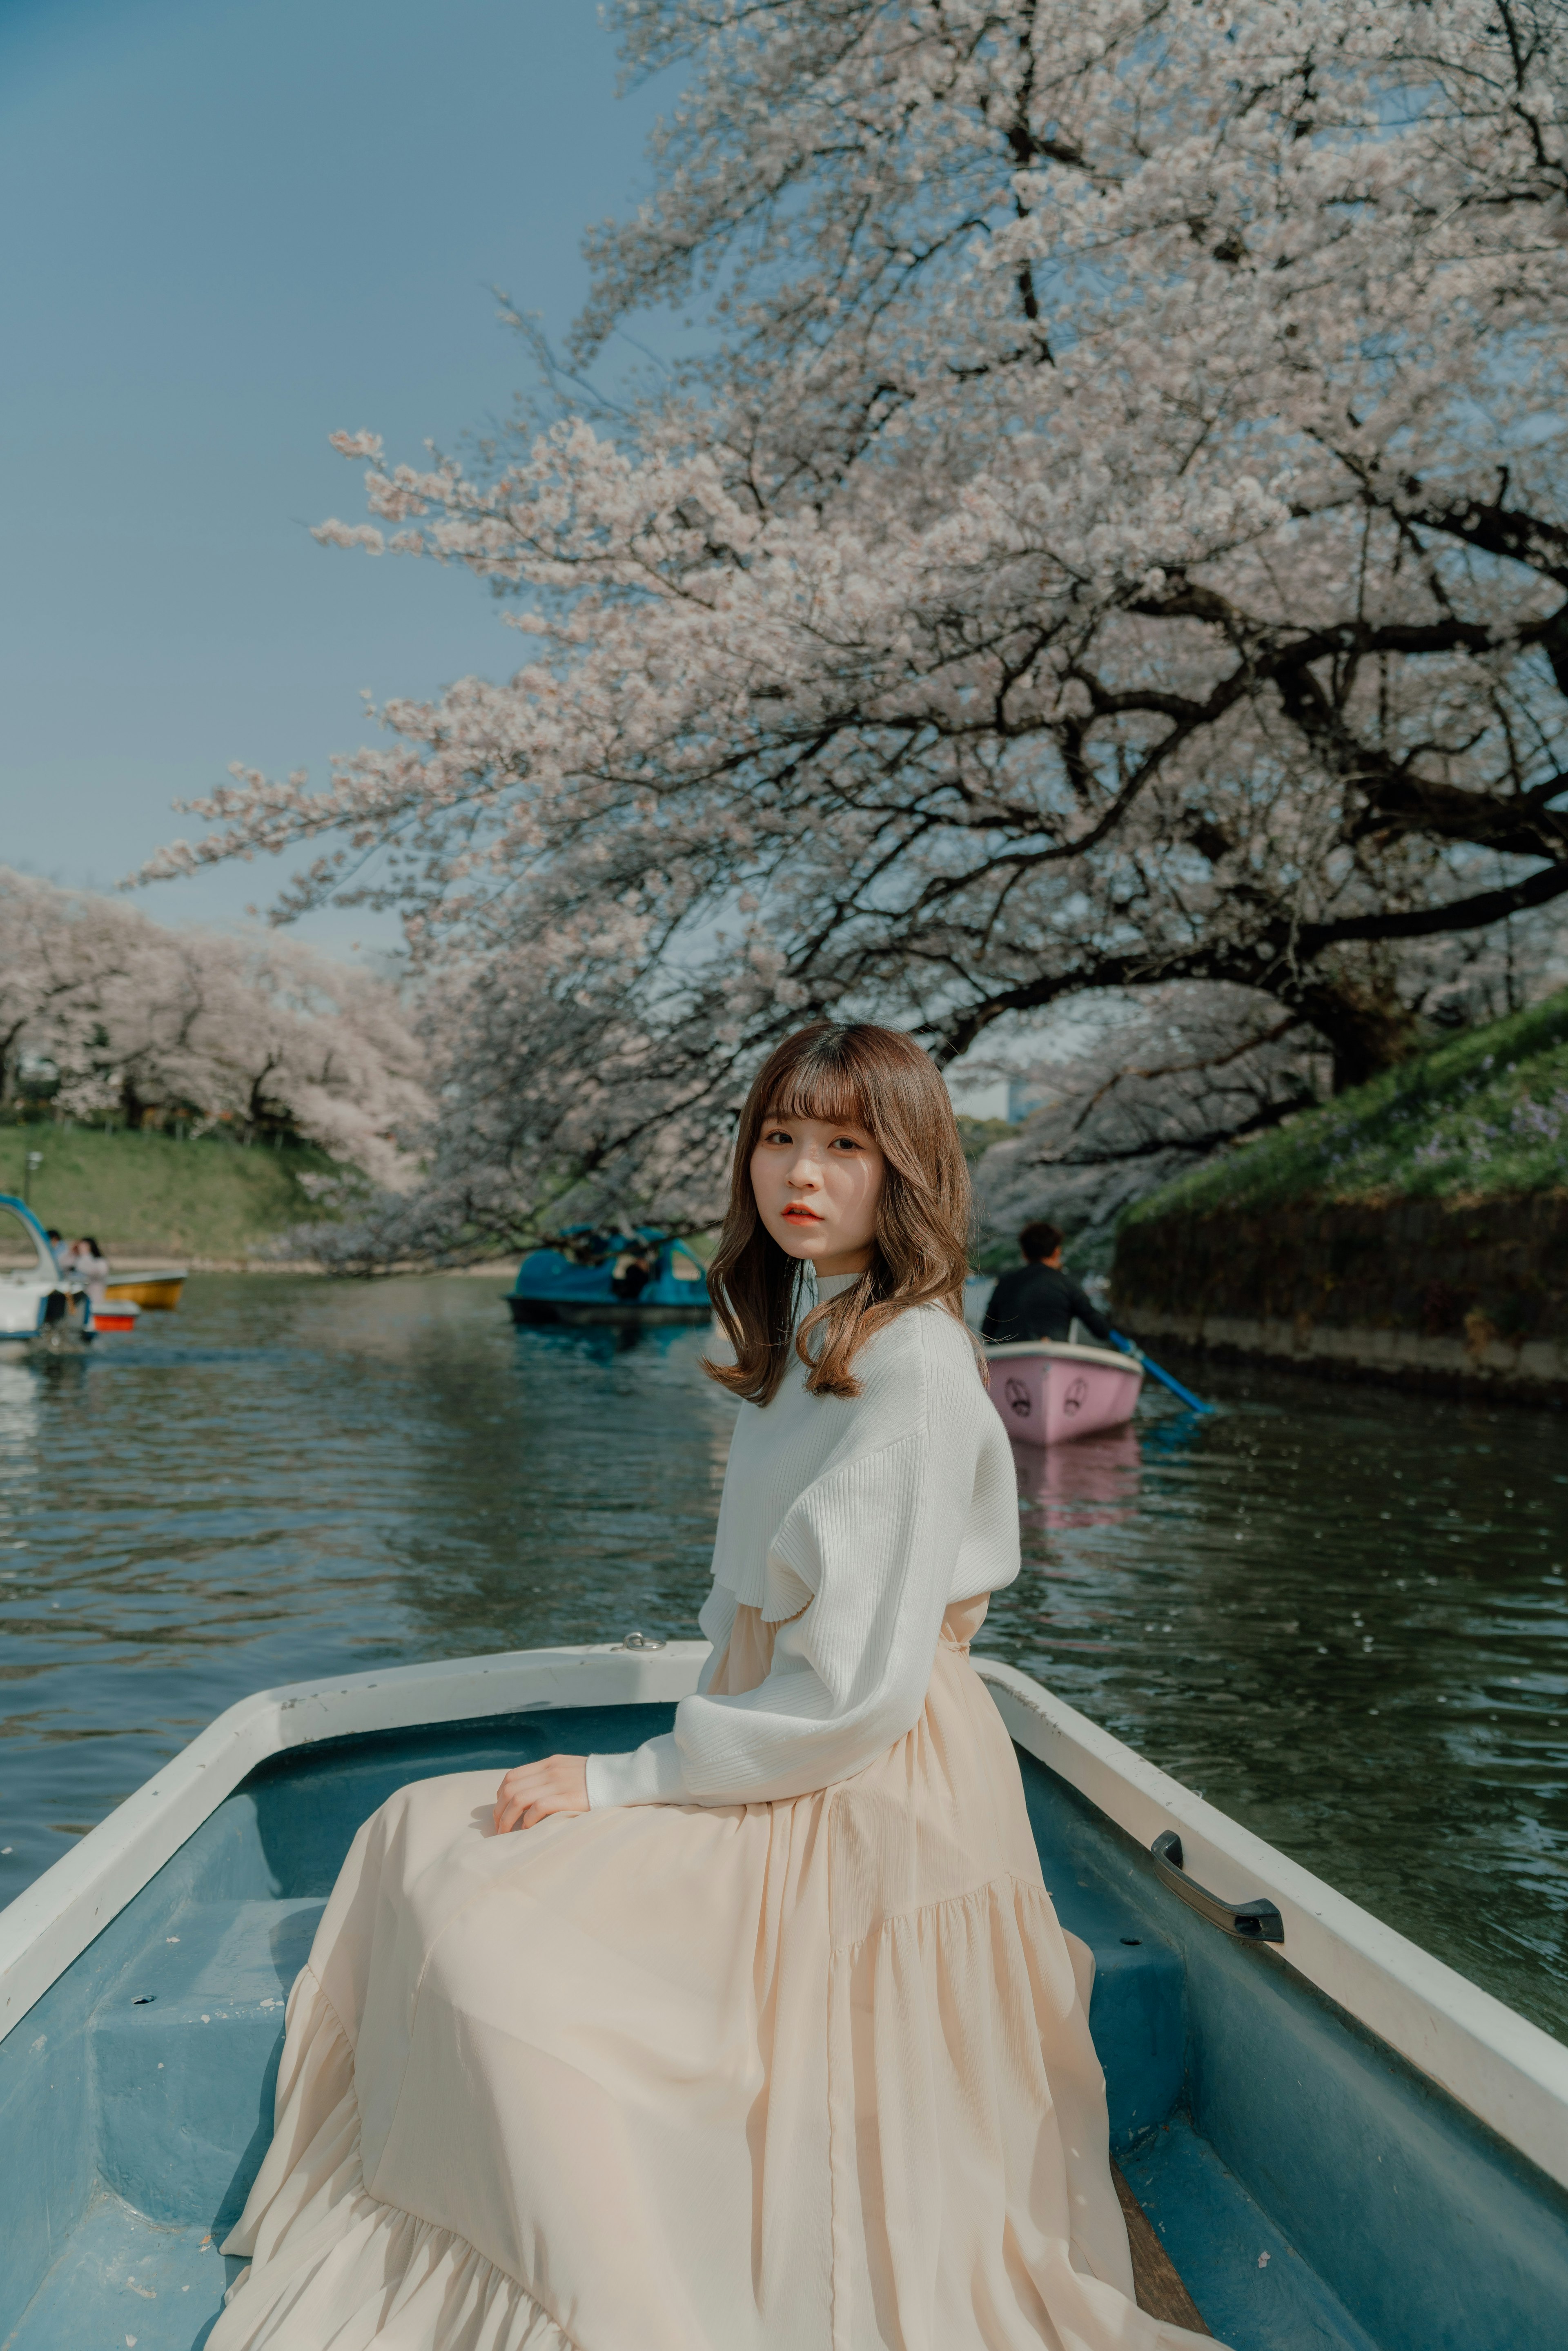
1366 1031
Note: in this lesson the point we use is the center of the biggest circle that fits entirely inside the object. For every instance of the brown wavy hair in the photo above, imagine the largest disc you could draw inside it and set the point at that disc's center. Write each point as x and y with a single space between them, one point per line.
880 1080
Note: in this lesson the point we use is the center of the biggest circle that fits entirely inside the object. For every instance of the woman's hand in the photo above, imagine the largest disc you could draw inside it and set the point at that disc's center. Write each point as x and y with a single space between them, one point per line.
533 1790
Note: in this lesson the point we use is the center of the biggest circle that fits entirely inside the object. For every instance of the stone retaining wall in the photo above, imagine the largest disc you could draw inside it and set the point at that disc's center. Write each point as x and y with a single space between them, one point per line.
1428 1293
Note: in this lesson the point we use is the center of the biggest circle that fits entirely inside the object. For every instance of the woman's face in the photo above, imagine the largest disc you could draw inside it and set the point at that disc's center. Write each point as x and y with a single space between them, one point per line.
817 1184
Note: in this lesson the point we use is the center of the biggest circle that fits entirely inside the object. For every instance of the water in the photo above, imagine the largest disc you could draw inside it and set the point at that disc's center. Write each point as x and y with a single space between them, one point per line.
1339 1613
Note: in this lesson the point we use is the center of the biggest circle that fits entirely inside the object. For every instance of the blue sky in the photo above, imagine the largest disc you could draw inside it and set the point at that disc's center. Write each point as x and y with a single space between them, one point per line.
231 229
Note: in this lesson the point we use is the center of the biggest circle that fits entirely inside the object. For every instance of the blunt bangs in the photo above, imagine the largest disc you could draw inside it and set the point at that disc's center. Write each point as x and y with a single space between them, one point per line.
820 1087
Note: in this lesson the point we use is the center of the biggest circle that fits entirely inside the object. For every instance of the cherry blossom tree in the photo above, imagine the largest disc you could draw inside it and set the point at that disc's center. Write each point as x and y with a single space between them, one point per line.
256 1034
1142 1086
1118 541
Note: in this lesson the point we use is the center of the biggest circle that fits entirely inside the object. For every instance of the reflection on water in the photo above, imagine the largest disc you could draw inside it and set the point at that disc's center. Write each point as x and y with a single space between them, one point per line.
18 1422
1342 1613
1092 1482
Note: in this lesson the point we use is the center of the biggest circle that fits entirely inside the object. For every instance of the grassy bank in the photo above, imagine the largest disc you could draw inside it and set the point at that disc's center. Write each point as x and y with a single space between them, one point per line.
146 1195
1483 1117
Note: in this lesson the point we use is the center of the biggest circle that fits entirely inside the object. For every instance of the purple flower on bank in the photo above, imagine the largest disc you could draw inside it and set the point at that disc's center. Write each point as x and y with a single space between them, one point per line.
1532 1117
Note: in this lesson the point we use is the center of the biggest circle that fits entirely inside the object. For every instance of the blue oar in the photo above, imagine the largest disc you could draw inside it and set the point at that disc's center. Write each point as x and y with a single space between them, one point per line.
1194 1403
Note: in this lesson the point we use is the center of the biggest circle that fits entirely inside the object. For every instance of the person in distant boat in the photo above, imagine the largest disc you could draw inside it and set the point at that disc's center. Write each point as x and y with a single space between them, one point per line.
59 1251
764 2036
1040 1299
633 1273
90 1267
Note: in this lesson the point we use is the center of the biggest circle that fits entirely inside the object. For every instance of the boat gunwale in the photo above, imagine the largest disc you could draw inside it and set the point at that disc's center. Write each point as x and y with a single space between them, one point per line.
1064 1350
151 1276
1510 2074
1505 2070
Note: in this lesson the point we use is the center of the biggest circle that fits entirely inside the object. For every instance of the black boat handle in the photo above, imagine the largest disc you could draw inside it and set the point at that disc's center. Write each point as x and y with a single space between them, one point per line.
1255 1922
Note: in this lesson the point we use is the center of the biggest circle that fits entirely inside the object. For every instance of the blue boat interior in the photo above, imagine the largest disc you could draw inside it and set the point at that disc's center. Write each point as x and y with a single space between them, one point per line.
1315 2193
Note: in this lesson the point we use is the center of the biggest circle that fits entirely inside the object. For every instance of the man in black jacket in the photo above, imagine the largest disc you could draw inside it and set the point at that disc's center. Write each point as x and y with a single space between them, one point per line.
1040 1299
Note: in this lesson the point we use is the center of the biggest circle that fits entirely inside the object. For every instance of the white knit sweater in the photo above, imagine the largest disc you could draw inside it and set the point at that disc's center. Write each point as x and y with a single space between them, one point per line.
858 1520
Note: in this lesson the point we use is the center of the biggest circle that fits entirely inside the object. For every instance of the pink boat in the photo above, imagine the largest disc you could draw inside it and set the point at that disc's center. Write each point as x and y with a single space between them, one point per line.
1051 1389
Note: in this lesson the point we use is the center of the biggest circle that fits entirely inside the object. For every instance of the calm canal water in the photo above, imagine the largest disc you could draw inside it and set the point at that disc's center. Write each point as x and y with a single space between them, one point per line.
1341 1613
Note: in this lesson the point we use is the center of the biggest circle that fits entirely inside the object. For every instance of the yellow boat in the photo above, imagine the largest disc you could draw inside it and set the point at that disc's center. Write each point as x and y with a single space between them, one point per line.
155 1286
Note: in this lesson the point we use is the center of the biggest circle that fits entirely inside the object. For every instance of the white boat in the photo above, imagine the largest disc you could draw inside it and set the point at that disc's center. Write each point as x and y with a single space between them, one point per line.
1326 2138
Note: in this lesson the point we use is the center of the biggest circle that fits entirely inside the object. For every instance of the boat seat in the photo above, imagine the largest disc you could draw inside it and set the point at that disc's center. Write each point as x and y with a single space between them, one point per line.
1136 2012
182 2141
158 2287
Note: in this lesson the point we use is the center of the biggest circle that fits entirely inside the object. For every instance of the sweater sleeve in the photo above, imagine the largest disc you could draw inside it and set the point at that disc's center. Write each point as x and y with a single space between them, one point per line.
869 1550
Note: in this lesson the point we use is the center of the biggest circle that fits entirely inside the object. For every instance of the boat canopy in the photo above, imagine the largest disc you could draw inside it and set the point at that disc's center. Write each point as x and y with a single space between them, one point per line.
39 1256
29 1277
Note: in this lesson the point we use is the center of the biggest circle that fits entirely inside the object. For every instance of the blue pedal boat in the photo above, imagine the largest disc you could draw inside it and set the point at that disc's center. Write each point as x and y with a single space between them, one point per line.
597 1278
1326 2138
36 1301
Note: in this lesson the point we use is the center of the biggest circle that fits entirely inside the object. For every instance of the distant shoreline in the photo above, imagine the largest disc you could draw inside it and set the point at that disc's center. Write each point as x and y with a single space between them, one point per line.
121 1268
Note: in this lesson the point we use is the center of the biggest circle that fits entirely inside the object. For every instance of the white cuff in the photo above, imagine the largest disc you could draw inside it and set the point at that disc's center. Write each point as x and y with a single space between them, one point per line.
648 1775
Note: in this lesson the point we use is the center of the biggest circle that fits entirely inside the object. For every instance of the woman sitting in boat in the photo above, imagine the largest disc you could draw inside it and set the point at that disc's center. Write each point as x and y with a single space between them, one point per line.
1040 1299
764 2036
86 1261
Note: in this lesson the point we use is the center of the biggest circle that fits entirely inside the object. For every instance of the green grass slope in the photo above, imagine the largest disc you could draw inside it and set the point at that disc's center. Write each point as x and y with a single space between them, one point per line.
146 1195
1484 1115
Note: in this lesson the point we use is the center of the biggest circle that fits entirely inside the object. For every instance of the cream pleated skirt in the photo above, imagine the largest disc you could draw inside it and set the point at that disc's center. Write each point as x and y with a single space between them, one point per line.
803 2076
